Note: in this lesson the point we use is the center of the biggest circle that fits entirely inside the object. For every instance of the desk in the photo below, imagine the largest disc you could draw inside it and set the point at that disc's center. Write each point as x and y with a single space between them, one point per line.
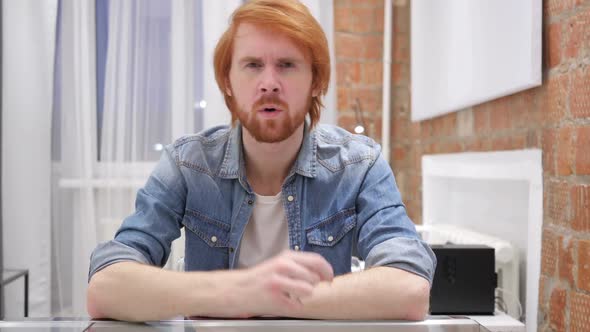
10 275
432 324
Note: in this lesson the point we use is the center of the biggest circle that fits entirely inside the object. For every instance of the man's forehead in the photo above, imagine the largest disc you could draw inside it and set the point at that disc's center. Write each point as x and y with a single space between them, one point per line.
247 33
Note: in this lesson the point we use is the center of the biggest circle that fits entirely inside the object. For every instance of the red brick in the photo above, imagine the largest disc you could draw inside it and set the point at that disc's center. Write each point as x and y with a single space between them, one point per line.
370 99
347 122
400 41
476 145
577 32
348 72
445 125
554 98
557 202
553 8
415 183
548 143
399 112
401 101
373 47
366 3
518 141
481 119
363 19
549 252
349 45
521 111
426 129
580 196
449 147
398 156
399 130
553 45
415 130
376 129
529 107
583 151
401 20
566 261
584 265
565 151
533 138
580 94
342 19
378 22
557 309
401 54
544 287
341 3
501 143
579 312
372 73
500 114
343 100
396 73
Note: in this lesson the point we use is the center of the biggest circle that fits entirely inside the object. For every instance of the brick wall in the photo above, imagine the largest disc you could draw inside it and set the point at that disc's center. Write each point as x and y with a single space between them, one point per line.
358 35
554 117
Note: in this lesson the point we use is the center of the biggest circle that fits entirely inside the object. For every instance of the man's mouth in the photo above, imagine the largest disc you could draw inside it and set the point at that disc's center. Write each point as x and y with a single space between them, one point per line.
269 109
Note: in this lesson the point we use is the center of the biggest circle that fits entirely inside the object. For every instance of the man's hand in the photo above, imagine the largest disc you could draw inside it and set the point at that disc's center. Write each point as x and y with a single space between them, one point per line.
279 283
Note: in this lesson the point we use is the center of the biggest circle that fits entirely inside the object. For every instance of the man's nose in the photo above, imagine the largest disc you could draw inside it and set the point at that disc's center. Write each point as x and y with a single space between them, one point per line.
269 81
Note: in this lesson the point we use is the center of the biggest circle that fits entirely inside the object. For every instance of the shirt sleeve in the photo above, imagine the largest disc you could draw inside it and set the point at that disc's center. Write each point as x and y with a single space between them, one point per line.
146 236
387 236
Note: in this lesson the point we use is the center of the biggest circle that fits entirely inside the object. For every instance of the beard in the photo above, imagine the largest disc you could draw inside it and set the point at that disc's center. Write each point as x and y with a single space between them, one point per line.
271 130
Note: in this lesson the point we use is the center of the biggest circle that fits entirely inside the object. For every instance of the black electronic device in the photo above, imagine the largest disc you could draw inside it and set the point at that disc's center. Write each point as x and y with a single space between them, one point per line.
464 281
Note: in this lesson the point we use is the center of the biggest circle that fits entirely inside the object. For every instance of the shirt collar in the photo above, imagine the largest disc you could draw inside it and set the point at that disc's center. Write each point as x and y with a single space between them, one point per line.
233 165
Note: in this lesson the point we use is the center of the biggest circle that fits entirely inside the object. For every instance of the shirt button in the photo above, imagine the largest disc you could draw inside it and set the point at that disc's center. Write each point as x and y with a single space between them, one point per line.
330 238
214 239
250 202
290 198
296 248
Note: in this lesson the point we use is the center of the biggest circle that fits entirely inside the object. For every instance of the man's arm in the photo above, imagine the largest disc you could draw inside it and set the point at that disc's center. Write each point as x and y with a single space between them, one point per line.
137 292
377 293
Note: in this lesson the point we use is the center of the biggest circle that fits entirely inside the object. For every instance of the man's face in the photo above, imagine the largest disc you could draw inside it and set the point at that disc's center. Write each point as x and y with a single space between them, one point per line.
269 82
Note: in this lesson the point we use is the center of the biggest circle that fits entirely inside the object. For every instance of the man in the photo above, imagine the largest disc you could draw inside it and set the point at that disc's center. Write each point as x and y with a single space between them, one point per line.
273 206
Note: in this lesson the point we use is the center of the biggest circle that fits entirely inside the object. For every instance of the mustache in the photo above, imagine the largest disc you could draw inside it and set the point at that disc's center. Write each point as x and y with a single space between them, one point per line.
272 99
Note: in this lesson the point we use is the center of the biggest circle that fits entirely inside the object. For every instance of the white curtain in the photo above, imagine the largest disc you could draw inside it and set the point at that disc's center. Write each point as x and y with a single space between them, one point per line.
74 154
112 123
28 32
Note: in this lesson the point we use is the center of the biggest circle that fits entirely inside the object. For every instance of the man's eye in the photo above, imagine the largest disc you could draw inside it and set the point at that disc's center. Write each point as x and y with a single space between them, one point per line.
287 65
253 65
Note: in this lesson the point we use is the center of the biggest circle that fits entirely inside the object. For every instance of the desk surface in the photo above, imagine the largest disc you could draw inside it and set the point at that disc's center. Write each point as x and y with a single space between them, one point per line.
433 324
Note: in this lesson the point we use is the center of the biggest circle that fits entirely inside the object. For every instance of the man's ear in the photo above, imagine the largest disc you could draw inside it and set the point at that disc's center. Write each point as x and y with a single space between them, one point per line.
227 87
315 93
315 90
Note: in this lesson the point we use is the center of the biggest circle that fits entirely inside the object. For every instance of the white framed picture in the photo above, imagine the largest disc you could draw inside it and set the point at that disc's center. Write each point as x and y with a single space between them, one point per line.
466 52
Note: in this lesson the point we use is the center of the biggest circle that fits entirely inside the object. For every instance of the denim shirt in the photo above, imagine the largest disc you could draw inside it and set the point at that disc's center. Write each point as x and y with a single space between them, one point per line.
340 199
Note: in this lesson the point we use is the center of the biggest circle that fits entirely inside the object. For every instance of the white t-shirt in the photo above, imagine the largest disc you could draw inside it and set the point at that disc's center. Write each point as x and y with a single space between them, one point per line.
266 233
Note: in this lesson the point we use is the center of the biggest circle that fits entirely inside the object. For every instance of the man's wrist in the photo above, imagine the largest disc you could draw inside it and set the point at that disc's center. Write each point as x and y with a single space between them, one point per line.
218 293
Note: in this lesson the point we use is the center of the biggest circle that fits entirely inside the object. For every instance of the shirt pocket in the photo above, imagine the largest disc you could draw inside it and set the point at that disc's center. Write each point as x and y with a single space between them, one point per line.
330 231
213 232
206 243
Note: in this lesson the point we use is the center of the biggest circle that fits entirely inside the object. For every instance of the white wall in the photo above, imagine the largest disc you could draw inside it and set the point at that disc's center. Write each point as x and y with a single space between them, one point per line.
28 28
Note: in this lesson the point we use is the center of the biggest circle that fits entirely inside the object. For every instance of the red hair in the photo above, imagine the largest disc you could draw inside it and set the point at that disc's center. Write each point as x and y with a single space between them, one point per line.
291 18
